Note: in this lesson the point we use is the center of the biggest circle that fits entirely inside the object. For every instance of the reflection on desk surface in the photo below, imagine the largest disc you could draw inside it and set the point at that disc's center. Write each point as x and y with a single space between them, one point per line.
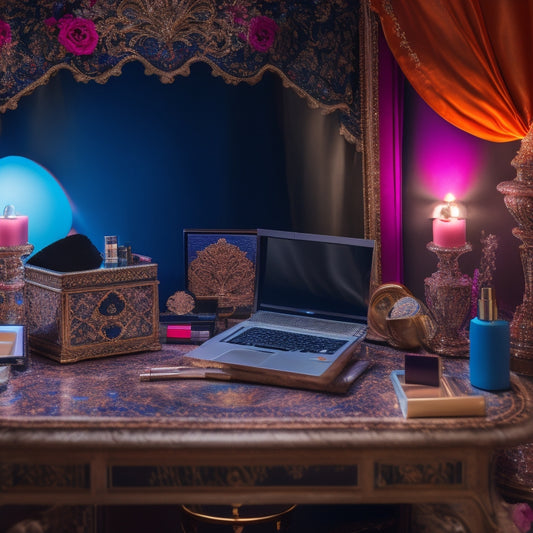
108 392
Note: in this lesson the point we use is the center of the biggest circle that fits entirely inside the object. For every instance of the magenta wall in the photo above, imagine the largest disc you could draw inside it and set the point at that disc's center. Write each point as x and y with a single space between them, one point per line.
439 158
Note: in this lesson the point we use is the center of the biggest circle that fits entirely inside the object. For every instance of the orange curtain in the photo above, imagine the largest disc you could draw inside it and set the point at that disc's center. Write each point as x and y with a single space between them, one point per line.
470 60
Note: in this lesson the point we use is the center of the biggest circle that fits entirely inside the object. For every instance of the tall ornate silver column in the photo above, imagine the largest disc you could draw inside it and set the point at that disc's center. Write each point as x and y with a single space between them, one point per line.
519 201
515 465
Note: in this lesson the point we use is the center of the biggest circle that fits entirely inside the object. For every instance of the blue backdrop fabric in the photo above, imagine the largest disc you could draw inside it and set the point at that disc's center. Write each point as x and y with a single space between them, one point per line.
144 160
313 46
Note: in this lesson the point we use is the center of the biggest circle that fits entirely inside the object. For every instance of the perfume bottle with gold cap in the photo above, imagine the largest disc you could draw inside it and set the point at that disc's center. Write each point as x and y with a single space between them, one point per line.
489 346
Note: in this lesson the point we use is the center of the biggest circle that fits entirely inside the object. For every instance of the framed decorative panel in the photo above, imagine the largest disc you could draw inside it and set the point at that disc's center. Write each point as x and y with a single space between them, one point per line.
221 264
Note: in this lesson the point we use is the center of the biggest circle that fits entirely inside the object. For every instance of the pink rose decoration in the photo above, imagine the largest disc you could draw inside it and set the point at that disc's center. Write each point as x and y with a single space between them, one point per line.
77 35
5 33
261 33
522 517
238 14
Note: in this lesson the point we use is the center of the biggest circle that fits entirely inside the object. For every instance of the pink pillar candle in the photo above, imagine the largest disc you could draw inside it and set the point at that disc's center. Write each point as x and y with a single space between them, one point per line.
449 232
13 228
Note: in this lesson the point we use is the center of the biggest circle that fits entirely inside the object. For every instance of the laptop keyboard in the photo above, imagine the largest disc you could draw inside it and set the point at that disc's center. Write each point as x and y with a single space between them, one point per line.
287 341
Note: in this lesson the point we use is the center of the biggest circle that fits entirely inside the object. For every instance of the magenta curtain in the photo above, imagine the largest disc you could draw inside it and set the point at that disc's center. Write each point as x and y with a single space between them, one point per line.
390 140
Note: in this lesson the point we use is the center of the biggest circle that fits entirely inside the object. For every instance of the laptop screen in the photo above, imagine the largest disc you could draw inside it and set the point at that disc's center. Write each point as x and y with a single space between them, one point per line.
313 275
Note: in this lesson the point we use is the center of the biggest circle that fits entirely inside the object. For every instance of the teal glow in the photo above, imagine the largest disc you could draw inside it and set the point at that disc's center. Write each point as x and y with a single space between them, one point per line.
36 193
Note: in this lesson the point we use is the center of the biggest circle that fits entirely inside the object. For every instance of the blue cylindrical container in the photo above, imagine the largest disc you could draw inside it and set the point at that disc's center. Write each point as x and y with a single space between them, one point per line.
489 346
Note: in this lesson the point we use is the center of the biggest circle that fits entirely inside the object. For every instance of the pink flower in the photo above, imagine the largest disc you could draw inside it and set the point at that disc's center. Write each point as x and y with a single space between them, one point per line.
261 33
65 19
522 516
238 14
77 35
5 33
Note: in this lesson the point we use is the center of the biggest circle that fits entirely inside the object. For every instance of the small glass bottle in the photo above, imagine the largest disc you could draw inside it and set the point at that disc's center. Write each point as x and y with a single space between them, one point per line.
489 346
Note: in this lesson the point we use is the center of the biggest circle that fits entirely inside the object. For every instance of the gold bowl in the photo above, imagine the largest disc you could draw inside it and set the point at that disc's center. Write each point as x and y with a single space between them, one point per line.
398 318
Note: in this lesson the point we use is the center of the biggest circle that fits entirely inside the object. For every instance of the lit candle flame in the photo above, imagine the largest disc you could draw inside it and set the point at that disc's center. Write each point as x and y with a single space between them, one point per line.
449 198
451 209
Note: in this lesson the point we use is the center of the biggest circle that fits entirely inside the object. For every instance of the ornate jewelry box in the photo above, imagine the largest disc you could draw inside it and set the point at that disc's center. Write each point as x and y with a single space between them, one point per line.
71 316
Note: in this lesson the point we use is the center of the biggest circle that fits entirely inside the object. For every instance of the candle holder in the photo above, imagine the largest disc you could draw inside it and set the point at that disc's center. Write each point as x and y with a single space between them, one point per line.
448 296
12 283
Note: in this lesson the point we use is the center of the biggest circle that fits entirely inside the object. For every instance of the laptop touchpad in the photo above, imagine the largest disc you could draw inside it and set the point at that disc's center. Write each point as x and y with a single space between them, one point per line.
243 357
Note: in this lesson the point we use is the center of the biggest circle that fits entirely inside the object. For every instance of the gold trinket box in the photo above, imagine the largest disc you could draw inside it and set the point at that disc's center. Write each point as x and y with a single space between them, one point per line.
71 316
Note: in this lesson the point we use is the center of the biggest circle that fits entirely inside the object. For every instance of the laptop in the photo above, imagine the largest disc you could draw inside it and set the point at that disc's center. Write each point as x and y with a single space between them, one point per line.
309 315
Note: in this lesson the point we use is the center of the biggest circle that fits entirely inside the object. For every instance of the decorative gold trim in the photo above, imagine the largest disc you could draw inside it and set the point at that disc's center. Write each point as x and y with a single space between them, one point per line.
54 280
169 77
369 77
236 519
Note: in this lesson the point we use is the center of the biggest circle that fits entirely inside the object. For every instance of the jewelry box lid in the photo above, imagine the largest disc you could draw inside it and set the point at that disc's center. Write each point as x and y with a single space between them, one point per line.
144 272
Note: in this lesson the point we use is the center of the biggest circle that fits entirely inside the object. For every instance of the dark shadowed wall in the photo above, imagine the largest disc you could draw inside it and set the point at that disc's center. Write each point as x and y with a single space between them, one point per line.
143 160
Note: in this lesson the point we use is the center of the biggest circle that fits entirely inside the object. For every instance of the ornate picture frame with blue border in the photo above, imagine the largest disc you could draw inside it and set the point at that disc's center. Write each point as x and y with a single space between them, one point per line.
221 264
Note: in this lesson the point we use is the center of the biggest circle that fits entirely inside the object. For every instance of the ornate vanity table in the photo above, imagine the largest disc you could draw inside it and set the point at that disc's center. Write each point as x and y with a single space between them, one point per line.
93 433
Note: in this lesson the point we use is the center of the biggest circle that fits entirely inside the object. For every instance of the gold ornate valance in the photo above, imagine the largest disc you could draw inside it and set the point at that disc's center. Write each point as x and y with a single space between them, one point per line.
313 46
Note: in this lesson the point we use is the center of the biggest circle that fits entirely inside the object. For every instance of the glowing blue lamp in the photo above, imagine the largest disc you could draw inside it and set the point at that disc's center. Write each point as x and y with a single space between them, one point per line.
36 193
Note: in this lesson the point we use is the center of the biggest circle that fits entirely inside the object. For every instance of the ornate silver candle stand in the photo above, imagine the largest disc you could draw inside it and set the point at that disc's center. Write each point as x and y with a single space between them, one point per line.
12 283
518 196
448 296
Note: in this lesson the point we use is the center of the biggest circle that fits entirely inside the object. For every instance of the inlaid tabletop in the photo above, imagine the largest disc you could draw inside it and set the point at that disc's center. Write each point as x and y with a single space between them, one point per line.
107 395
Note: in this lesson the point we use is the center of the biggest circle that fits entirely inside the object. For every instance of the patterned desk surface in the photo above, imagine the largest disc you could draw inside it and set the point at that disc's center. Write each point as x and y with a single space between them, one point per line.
103 402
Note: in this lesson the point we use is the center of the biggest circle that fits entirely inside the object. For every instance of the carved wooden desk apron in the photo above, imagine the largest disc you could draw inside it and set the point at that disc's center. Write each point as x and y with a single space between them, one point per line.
92 432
